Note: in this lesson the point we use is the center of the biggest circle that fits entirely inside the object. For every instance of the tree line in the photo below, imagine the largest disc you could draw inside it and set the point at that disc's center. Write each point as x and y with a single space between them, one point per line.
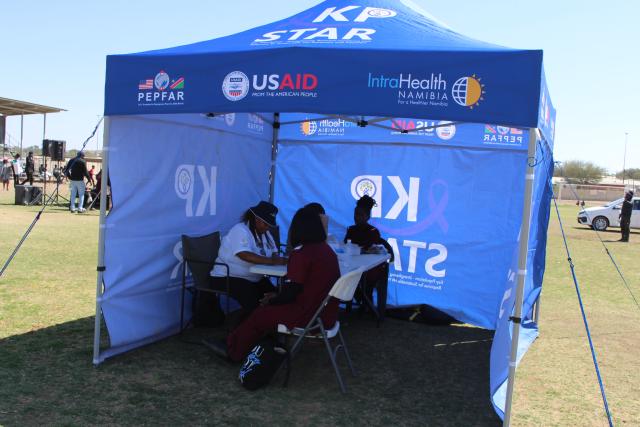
585 172
37 151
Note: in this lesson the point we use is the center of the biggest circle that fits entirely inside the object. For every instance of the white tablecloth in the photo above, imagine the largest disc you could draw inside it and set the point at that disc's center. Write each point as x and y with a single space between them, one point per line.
347 263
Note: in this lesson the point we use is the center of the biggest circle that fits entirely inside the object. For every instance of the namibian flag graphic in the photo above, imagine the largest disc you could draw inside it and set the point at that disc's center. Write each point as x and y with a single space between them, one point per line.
489 129
177 84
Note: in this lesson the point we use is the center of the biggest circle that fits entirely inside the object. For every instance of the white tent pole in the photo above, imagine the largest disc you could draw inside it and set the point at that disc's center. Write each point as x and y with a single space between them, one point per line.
274 154
522 272
101 236
21 132
44 158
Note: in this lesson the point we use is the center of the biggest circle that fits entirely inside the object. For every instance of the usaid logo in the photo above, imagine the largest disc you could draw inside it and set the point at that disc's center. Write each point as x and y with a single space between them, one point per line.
235 86
445 132
204 178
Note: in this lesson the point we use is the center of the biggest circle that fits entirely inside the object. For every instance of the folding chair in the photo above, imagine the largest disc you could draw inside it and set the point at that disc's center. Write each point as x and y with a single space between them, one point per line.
343 290
199 254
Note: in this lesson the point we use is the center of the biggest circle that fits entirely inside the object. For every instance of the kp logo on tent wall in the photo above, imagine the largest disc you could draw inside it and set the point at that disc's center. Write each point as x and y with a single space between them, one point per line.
186 182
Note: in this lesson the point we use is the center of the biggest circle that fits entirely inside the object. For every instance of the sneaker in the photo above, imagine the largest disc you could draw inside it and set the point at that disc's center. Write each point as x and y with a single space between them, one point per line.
73 211
81 210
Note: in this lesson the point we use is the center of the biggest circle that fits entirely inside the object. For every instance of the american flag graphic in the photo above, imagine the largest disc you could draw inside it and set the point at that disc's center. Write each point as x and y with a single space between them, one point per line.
145 84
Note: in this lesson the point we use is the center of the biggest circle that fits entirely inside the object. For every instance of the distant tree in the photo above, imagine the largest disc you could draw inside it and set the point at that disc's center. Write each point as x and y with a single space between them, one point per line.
580 171
633 173
37 151
72 153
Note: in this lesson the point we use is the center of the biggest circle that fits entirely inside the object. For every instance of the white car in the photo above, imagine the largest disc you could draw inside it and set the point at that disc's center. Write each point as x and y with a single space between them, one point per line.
602 217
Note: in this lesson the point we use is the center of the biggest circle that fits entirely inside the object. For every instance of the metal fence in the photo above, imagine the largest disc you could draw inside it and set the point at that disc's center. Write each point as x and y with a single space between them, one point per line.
589 192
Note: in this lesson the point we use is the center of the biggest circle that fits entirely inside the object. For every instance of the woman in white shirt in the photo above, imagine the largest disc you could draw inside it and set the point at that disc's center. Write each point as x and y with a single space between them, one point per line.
247 243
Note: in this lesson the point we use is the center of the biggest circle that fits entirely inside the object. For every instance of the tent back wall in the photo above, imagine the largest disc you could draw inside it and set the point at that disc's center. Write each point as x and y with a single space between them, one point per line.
452 215
183 175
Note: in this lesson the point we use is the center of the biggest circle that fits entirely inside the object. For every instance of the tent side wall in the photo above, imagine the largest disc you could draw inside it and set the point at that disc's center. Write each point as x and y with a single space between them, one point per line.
171 175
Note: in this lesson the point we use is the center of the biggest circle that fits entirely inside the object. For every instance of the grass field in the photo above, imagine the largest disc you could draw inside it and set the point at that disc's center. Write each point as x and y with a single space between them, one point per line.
409 374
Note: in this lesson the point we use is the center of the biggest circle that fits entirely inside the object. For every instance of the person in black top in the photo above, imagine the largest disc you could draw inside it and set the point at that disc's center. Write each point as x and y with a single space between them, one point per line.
366 236
625 216
76 171
29 168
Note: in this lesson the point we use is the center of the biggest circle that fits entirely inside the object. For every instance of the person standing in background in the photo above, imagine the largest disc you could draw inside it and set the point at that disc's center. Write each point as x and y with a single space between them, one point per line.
625 216
29 168
92 172
17 169
5 173
76 170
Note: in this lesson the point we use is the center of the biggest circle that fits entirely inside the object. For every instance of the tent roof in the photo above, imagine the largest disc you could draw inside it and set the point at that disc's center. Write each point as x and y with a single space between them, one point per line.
13 107
379 58
409 29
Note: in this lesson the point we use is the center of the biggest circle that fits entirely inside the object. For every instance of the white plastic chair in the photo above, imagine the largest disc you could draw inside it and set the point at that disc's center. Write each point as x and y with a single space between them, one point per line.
343 290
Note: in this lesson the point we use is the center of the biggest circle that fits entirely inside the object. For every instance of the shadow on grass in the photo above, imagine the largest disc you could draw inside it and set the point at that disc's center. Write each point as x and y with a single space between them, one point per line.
408 374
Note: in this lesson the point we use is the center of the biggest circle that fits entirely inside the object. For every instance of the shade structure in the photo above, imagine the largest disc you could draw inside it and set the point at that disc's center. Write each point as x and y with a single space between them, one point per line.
452 136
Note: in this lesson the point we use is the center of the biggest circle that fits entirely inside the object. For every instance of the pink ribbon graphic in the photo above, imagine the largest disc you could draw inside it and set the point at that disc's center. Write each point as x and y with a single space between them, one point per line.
436 215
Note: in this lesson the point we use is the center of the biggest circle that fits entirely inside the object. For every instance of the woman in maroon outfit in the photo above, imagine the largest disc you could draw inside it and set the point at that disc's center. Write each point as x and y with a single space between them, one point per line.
366 236
311 272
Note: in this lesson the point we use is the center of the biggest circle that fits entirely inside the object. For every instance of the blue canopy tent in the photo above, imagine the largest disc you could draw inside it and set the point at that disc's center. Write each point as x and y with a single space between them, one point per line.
453 137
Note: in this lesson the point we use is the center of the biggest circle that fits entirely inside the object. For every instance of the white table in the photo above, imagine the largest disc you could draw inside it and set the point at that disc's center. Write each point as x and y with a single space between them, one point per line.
347 263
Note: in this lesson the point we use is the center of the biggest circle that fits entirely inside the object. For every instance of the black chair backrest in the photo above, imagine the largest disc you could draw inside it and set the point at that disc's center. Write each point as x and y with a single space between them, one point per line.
200 253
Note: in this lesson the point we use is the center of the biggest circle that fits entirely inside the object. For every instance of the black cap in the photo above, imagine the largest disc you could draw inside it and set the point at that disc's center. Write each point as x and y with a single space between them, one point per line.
266 212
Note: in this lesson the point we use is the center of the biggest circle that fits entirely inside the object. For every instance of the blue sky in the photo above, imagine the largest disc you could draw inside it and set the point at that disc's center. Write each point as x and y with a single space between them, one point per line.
53 53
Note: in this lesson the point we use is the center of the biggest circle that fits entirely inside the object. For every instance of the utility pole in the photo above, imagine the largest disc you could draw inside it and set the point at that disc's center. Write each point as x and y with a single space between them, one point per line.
624 160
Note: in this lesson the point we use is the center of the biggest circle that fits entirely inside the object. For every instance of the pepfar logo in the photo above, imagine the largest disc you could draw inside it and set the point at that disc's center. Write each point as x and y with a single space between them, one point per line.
192 181
502 135
468 91
161 90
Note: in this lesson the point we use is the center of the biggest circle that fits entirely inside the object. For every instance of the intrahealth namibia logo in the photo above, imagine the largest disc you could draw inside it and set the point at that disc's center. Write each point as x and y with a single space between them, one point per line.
325 127
468 91
161 90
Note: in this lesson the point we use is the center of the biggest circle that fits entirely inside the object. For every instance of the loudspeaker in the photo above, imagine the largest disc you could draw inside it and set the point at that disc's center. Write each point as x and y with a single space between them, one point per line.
46 147
59 150
53 148
28 195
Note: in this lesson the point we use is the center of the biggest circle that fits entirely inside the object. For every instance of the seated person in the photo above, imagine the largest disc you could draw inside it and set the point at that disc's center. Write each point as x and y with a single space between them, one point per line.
311 272
366 236
248 242
315 208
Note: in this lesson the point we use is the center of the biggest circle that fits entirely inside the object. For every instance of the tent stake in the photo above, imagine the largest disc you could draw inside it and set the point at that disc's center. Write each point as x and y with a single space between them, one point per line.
522 272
